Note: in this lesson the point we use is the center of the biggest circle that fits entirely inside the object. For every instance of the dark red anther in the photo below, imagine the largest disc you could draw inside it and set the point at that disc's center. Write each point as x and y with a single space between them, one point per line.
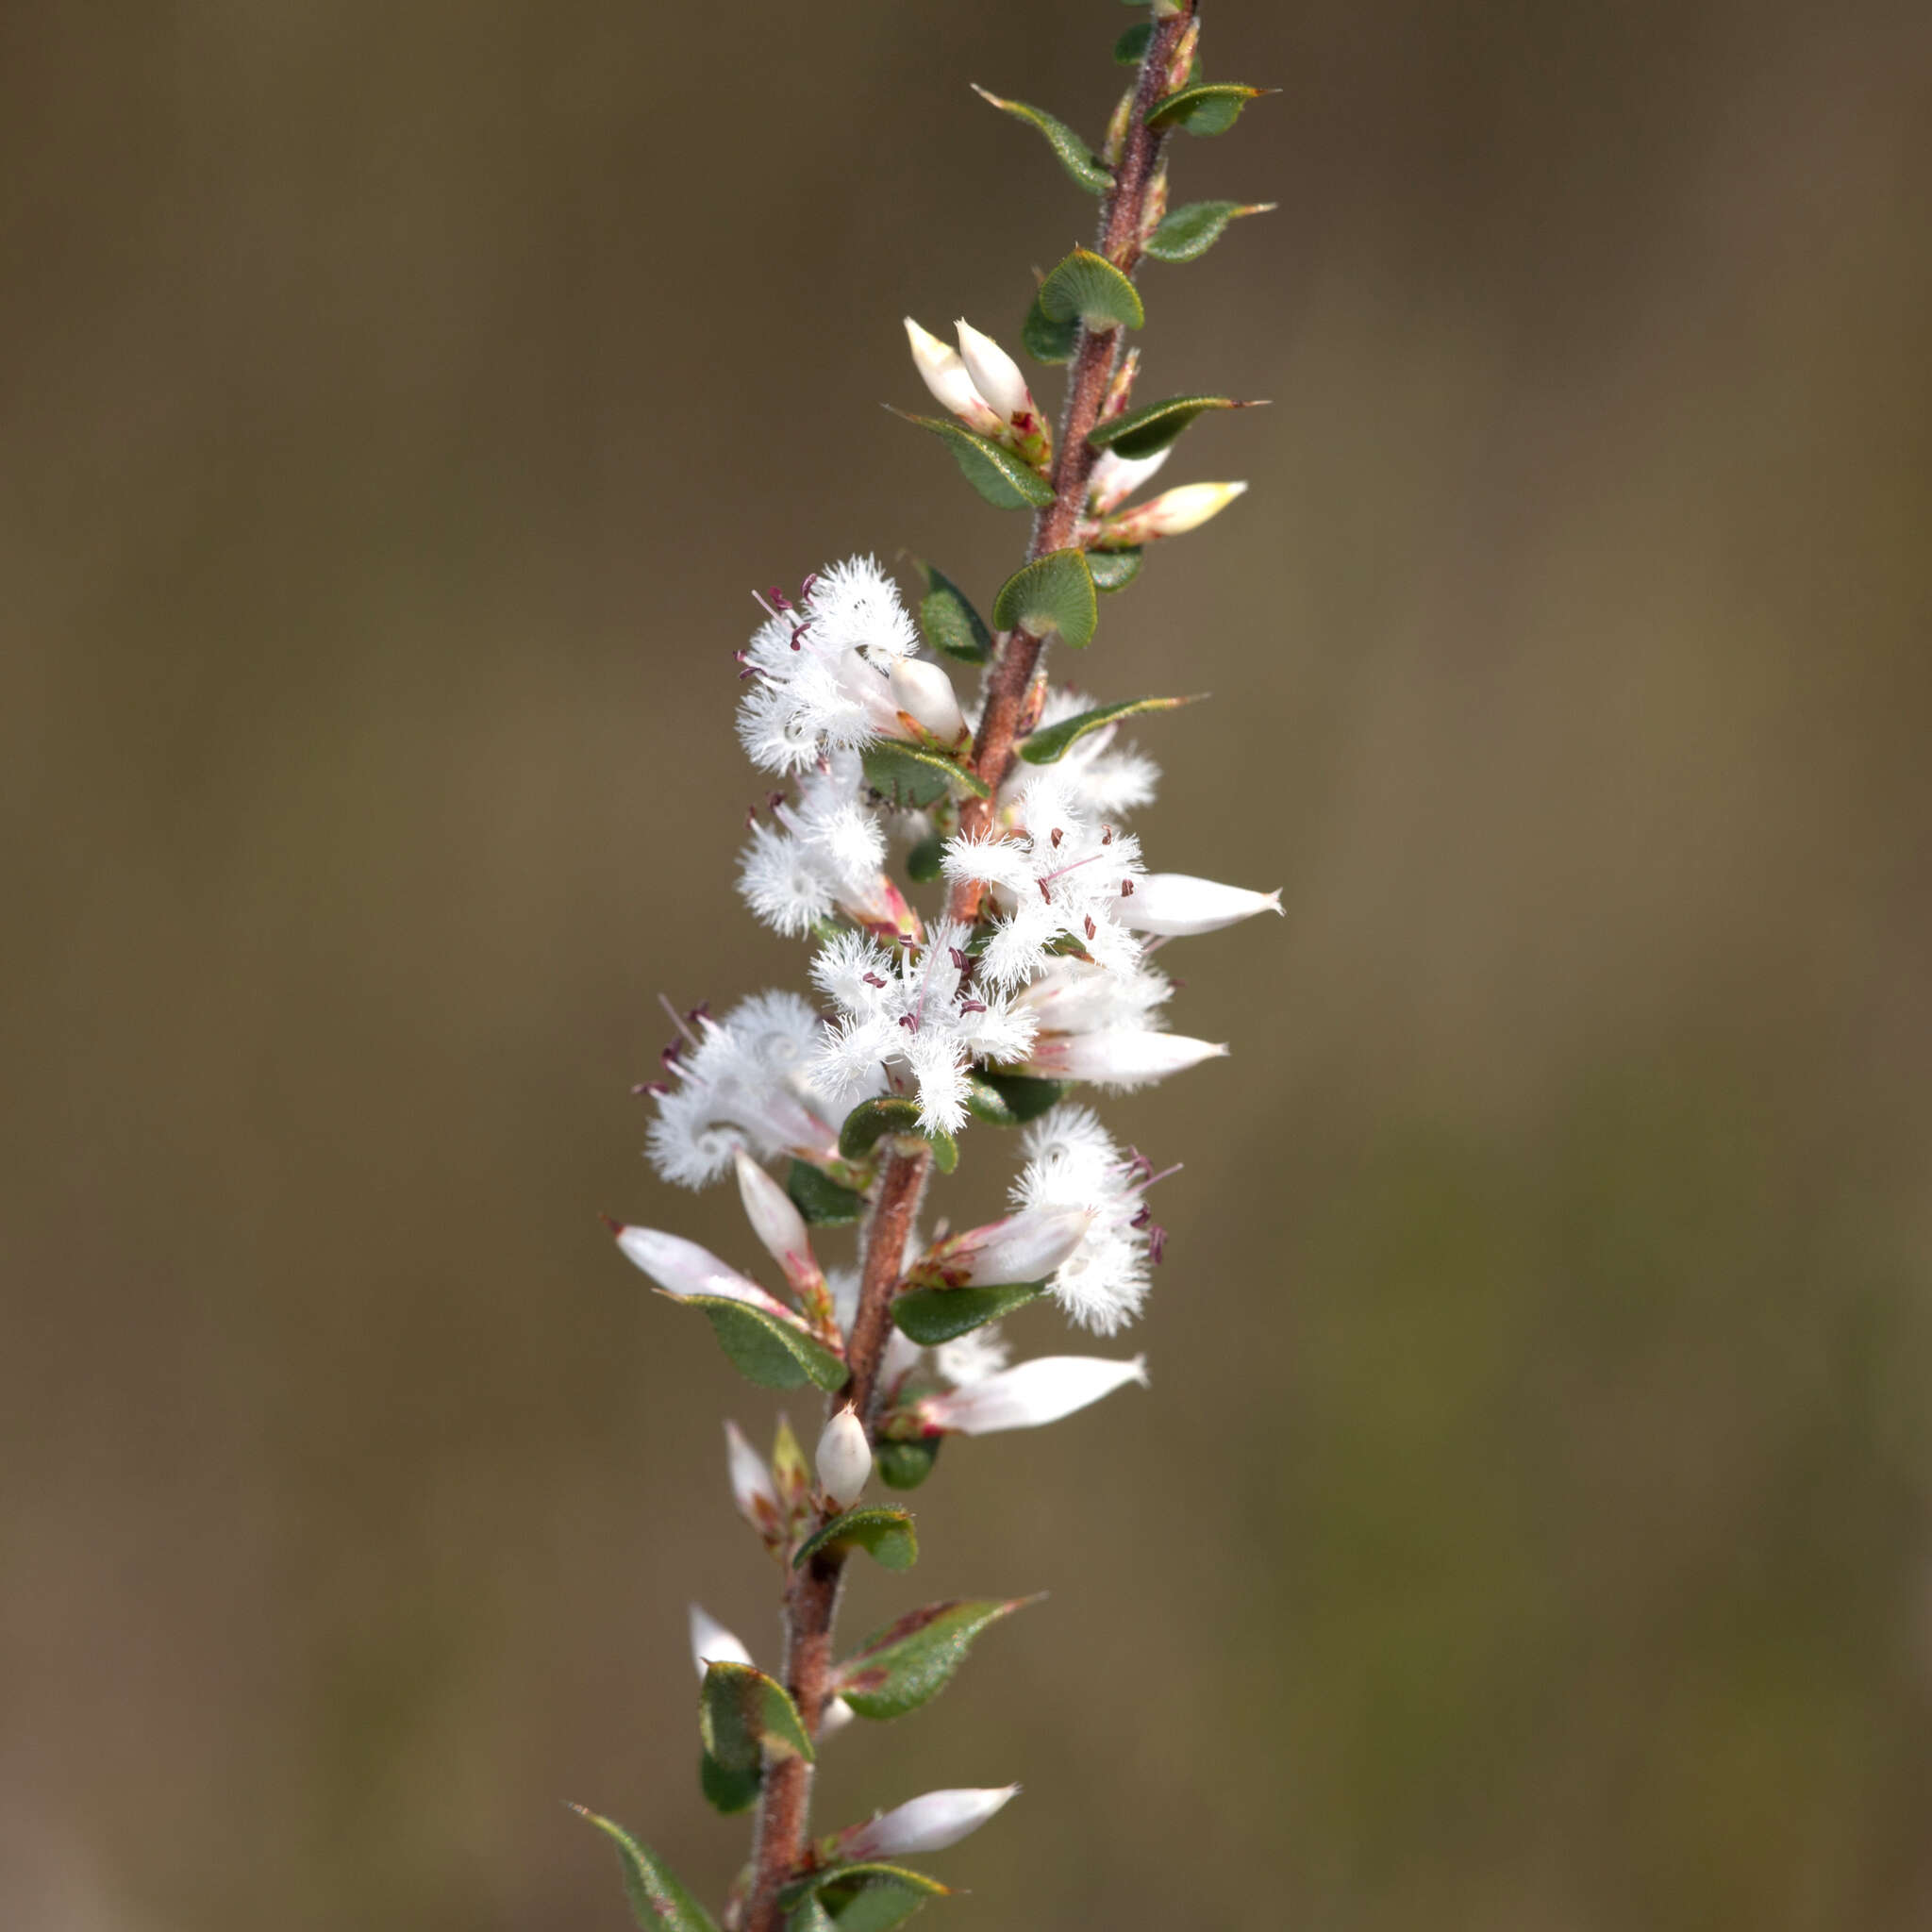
973 1006
873 979
960 962
779 600
655 1088
1106 835
1157 1243
805 588
1089 928
910 1024
1127 888
774 800
1044 892
699 1013
1058 833
751 816
669 1055
798 631
1142 1219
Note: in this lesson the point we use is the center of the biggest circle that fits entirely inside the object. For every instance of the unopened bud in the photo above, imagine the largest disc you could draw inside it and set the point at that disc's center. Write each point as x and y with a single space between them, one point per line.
844 1459
711 1643
1173 513
1118 1057
1116 478
925 695
1039 1392
751 1483
773 1219
946 376
995 373
1178 906
925 1824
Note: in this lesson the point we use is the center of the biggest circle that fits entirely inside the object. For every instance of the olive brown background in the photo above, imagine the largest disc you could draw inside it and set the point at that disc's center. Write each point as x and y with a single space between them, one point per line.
1527 1523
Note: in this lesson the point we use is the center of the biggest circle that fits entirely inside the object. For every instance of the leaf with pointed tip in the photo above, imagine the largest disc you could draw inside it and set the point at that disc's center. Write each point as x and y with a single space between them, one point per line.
1047 746
1142 432
658 1901
885 1113
1187 233
1010 1100
776 1350
1075 157
932 1315
910 1662
1132 45
905 1465
997 474
1113 570
1087 288
729 1792
1054 593
745 1717
912 777
948 622
821 1199
885 1535
1047 341
1211 108
864 1898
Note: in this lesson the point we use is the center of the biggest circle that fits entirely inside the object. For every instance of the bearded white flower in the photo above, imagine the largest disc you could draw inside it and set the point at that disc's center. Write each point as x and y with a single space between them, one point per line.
974 1356
1023 1247
1043 1390
824 853
1103 1026
924 1825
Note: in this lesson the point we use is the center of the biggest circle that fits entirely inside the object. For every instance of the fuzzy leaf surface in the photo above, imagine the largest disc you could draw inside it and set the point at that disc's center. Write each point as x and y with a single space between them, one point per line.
925 862
865 1898
744 1716
1050 744
809 1917
1010 1100
1187 233
885 1535
997 474
1142 432
913 777
1075 157
1087 288
821 1199
658 1901
728 1792
905 1465
948 622
908 1663
932 1315
1054 593
1047 341
774 1351
1212 107
1114 570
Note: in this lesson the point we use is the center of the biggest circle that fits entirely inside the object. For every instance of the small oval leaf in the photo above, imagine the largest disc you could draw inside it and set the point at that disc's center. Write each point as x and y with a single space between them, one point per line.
776 1350
885 1535
1211 108
658 1901
1047 341
1087 288
745 1717
905 1465
925 862
1010 1100
997 474
863 1898
1047 746
948 622
1114 570
821 1199
913 777
910 1662
932 1315
809 1917
1054 593
1144 431
1188 233
729 1792
1075 157
885 1113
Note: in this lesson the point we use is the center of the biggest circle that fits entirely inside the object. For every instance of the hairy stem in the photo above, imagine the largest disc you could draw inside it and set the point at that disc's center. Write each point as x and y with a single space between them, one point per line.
811 1594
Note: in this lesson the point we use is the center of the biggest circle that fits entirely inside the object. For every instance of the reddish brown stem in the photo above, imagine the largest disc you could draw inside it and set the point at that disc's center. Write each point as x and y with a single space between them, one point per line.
811 1594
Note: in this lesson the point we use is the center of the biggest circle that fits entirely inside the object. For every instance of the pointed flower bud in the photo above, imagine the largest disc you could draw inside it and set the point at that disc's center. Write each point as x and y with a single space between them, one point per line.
1116 478
1173 513
751 1484
925 695
1023 1247
773 1219
946 376
1177 905
682 1268
711 1643
924 1825
1120 1057
995 373
844 1459
1038 1391
833 1718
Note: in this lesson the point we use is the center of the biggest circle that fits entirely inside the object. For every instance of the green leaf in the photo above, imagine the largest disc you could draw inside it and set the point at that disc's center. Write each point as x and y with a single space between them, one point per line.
1188 232
658 1901
886 1535
1210 108
729 1792
1054 593
864 1898
809 1917
1075 157
910 1662
1047 341
885 1113
1046 747
932 1315
945 1152
1142 432
913 777
1114 570
948 622
744 1717
925 863
905 1465
821 1199
774 1351
1087 288
1010 1100
1132 45
997 474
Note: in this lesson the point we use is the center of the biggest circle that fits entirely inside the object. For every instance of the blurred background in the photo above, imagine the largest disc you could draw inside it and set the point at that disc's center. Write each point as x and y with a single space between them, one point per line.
1527 1523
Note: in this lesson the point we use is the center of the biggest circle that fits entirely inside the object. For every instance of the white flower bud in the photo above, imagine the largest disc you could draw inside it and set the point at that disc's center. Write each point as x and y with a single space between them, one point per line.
995 373
681 1267
1177 905
752 1488
1023 1247
925 1824
844 1459
1038 1391
711 1643
833 1718
1116 478
946 376
1121 1056
1173 513
925 692
773 1218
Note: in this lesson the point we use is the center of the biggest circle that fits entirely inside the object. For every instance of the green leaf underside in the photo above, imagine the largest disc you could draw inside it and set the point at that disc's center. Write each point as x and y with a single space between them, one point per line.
729 1792
1075 157
1187 233
1113 570
925 862
1047 746
865 1898
932 1315
885 1535
910 1662
658 1901
945 1152
997 474
885 1113
905 1465
1142 432
1132 45
766 1348
1010 1100
1087 288
1052 593
1210 108
744 1716
809 1917
1047 341
948 622
913 777
821 1199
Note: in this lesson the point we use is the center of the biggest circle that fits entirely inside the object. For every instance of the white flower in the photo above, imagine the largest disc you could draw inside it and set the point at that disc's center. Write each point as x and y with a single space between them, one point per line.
973 1357
1122 1056
844 1459
1103 783
943 373
1178 906
1042 1390
1116 478
1100 1026
711 1643
683 1268
924 1825
1023 1247
752 1488
916 1008
824 852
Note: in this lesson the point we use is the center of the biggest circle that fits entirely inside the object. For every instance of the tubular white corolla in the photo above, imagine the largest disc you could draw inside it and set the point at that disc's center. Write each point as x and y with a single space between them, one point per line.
1038 1391
943 373
844 1459
925 1824
1173 513
1023 1247
925 695
1177 905
752 1489
711 1643
681 1267
995 373
1122 1057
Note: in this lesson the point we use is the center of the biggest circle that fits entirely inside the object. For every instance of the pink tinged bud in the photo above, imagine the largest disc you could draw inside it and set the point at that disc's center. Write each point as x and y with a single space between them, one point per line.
1116 478
1123 1055
1023 1247
924 693
752 1488
995 373
682 1268
1033 1393
1173 513
1177 905
946 376
925 1824
844 1459
711 1643
773 1219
